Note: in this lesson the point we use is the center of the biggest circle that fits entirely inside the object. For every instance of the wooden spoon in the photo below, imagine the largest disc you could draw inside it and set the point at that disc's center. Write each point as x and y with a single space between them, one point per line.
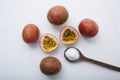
82 57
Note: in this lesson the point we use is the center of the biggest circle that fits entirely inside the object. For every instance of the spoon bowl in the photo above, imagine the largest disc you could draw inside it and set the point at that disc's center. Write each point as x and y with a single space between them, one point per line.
72 57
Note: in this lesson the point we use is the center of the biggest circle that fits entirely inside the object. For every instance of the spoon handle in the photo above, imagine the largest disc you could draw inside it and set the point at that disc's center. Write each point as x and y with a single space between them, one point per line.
102 64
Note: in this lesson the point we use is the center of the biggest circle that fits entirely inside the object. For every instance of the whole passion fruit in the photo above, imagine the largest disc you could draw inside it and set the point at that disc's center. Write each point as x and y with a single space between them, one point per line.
88 28
57 15
48 42
69 35
50 65
30 33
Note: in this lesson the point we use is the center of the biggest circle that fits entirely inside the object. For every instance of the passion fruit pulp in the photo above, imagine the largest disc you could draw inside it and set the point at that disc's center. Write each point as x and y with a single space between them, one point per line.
57 15
69 35
48 42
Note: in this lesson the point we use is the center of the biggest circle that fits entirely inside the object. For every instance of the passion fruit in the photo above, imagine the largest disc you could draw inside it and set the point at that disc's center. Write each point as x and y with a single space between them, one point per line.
57 15
48 42
69 35
30 33
88 27
50 65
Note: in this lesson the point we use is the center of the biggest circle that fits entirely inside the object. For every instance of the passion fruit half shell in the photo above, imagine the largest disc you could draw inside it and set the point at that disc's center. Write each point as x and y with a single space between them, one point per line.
48 42
69 35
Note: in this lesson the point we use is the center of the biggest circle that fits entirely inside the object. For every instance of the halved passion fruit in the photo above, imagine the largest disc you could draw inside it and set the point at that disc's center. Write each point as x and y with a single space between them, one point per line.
69 35
48 42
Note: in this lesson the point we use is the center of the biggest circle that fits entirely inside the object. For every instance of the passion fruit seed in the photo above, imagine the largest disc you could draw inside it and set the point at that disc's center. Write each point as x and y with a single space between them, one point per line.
48 43
69 35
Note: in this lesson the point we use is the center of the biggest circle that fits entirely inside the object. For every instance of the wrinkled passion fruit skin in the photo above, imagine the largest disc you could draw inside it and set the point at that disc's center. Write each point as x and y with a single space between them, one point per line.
30 33
50 65
57 15
88 28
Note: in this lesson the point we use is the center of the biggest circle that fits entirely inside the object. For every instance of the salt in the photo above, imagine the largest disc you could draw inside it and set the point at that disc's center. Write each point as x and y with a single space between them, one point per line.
72 54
